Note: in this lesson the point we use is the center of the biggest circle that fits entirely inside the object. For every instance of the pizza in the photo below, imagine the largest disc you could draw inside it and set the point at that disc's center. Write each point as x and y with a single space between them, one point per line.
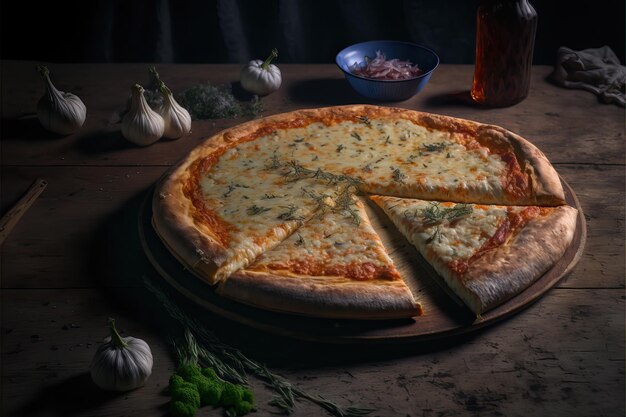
233 209
326 263
485 253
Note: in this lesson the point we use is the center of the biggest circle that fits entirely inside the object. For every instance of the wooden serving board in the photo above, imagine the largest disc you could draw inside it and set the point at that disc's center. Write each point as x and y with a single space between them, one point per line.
444 315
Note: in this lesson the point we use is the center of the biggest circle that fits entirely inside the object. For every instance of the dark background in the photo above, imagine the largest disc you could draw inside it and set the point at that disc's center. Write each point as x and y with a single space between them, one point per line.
304 31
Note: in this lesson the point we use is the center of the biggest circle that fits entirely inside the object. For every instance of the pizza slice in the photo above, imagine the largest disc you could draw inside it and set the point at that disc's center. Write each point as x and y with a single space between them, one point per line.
335 266
485 253
404 153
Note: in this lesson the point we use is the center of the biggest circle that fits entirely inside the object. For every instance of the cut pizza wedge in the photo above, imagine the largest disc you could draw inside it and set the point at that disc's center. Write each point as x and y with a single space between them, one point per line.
485 253
334 266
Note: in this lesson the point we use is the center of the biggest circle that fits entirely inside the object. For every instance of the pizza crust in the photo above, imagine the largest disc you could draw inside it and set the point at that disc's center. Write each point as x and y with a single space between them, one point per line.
543 178
197 251
324 297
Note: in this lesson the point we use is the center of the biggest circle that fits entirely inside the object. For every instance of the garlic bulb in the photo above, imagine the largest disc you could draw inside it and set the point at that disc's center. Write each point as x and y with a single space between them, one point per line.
121 363
142 125
261 77
176 118
58 111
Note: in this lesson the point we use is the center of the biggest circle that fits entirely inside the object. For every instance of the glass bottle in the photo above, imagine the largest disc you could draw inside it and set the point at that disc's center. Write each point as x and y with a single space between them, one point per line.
505 39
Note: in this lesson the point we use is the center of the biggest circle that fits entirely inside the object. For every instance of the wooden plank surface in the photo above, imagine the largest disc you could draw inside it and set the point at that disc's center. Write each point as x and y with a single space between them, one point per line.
74 259
555 119
562 357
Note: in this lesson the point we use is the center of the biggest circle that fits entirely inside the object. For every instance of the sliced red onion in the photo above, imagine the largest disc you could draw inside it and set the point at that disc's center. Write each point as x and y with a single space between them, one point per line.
382 69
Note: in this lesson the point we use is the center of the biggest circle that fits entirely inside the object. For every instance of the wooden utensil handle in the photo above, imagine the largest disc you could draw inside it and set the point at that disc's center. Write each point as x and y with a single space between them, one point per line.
10 219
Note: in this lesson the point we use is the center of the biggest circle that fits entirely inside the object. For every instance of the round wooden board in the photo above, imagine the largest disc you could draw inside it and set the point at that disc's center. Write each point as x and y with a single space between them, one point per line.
444 315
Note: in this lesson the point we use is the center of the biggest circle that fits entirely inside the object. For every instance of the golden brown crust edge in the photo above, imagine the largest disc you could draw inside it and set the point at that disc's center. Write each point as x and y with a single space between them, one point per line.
197 252
504 273
545 183
321 297
546 186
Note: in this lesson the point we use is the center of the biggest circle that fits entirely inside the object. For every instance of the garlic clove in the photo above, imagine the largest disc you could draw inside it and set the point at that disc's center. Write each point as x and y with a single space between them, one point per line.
58 111
176 118
142 125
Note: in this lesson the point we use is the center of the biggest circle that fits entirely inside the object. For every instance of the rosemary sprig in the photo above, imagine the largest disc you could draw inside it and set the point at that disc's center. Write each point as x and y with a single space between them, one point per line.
342 202
290 213
295 171
231 364
253 210
365 120
434 214
398 175
273 162
231 188
436 235
345 204
356 136
435 147
209 355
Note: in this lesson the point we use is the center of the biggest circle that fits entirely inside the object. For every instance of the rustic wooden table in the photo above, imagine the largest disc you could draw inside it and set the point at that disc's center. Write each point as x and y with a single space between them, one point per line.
74 260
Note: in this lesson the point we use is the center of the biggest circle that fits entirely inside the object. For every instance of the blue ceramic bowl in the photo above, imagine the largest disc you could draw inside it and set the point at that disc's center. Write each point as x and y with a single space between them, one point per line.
388 90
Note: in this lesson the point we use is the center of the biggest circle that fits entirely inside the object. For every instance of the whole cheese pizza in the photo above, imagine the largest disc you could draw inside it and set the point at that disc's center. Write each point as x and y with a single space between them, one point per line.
271 211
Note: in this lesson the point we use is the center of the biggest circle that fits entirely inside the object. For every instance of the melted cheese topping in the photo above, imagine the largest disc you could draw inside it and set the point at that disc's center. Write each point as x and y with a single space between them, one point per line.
331 245
448 240
247 187
390 156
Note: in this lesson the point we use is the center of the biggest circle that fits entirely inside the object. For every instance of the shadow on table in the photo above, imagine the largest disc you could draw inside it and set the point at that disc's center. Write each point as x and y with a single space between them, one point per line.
453 98
97 143
326 91
27 127
74 395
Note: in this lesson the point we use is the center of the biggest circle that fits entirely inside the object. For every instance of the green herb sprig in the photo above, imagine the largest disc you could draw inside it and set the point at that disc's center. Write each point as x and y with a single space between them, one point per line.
434 213
365 120
342 202
231 364
253 210
290 213
398 176
294 171
207 101
435 147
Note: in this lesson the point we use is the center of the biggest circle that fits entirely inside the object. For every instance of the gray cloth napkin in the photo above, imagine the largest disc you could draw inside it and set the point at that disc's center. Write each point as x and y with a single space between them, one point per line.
596 70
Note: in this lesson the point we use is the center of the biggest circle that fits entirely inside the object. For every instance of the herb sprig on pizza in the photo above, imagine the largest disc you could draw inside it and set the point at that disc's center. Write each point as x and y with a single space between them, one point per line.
251 207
